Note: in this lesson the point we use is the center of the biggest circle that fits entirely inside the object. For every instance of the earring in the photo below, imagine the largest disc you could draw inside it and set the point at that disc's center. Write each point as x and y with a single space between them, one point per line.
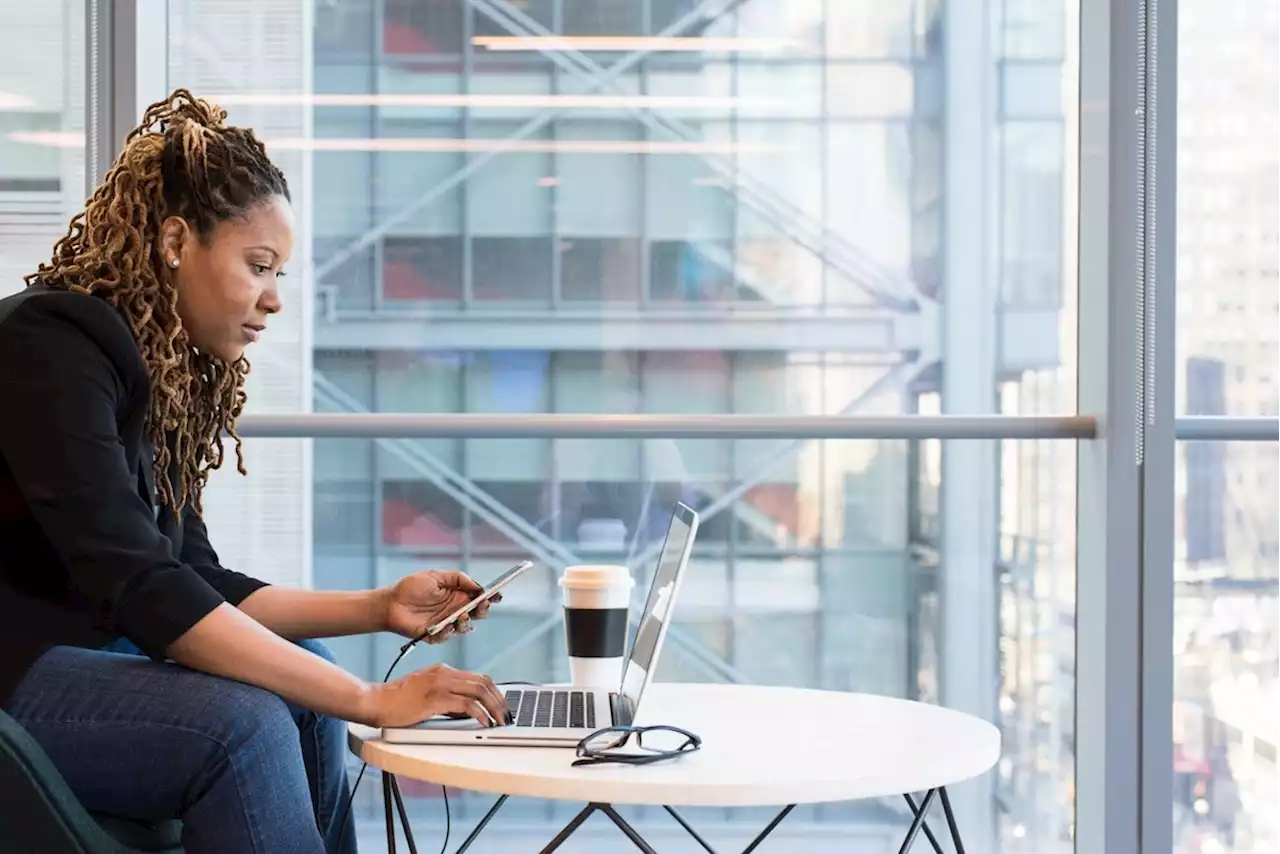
173 262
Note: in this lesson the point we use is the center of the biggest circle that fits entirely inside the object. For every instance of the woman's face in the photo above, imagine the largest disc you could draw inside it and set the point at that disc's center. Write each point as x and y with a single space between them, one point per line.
227 282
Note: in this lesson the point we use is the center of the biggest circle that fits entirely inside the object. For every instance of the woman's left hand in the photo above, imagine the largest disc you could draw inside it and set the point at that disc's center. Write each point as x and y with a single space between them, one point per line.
424 598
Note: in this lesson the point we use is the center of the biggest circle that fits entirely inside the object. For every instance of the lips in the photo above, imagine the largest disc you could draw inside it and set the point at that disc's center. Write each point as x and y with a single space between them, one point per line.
253 332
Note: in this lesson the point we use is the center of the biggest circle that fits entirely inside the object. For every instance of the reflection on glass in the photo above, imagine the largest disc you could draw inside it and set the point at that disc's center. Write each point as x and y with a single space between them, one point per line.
669 207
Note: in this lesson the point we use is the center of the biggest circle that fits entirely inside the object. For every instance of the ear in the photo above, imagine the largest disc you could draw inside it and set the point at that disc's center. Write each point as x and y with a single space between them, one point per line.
175 238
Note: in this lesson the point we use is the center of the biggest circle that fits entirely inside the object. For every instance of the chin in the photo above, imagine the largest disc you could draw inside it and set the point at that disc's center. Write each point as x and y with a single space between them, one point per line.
227 354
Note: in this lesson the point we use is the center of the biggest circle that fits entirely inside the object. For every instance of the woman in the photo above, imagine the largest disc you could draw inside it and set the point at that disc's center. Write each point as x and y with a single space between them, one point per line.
121 364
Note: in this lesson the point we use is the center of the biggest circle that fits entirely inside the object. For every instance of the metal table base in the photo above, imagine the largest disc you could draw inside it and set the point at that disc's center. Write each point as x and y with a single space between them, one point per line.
394 804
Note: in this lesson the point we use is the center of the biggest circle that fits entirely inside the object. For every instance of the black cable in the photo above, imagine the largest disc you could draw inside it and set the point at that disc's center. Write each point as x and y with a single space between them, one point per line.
444 793
444 790
404 650
346 817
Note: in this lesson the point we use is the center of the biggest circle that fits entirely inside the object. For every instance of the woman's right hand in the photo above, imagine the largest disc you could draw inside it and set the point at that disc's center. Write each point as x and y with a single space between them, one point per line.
434 690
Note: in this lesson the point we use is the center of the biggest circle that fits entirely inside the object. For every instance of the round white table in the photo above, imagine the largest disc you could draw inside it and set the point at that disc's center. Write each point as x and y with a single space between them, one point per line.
761 746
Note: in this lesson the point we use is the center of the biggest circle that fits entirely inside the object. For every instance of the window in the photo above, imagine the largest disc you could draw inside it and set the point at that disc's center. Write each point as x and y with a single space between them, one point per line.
422 268
756 229
511 268
41 135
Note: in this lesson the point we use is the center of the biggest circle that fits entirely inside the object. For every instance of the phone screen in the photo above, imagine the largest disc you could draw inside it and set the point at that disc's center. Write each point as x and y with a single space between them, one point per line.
490 589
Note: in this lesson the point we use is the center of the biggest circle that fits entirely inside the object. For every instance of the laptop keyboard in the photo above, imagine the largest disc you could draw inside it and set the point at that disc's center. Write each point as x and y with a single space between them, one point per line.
548 708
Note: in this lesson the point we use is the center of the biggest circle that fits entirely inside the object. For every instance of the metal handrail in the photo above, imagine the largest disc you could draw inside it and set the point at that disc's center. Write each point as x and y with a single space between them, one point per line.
1191 428
648 426
1226 428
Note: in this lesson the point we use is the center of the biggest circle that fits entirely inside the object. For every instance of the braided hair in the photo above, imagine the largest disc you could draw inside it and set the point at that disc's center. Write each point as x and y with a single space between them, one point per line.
182 160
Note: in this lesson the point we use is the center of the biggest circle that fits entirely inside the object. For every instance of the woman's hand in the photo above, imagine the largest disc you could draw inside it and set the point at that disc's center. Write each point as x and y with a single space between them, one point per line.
435 690
424 598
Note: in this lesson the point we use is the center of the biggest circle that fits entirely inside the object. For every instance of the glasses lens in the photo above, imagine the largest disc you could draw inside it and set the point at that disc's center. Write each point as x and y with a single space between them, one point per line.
602 741
663 740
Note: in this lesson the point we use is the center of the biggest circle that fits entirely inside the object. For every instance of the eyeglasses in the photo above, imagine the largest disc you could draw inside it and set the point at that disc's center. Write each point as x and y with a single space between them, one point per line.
665 742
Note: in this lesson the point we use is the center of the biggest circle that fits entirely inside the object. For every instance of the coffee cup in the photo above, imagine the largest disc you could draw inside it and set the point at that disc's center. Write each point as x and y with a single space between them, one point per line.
597 598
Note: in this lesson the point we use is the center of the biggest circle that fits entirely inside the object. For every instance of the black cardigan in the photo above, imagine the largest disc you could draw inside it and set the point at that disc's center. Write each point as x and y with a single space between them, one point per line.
86 556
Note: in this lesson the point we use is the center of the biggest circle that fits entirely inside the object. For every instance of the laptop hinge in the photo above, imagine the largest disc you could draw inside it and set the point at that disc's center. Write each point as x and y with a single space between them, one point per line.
621 708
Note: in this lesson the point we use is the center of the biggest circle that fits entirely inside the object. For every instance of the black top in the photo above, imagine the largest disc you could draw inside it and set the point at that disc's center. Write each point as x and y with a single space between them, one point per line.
86 556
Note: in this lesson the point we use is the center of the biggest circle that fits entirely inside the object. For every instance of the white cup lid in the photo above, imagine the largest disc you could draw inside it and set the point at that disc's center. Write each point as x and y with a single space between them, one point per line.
596 576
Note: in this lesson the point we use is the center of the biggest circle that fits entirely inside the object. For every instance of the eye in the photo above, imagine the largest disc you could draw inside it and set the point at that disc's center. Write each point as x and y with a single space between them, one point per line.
261 269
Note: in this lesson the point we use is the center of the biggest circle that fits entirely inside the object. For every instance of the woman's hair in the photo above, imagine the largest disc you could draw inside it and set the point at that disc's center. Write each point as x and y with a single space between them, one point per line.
181 161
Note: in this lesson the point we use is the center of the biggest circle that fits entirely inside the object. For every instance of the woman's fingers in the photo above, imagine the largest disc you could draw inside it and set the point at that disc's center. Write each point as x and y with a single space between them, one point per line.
463 705
460 692
482 689
498 698
482 610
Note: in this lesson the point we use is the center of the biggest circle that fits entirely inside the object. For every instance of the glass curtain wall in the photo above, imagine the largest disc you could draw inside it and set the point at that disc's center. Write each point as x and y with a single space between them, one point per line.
673 207
1227 523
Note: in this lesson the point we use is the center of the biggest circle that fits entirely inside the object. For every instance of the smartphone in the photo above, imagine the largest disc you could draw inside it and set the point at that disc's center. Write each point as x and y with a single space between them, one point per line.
494 586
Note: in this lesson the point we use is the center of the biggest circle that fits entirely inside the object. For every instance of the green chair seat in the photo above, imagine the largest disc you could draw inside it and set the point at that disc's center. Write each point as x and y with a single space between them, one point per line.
38 812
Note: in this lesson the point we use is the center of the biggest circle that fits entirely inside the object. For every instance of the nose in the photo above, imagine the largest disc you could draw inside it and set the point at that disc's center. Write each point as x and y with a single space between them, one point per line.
270 301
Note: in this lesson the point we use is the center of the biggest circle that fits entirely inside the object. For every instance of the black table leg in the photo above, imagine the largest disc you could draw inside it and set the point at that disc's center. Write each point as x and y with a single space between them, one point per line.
404 816
951 821
918 821
386 804
634 835
777 820
933 840
391 794
626 828
689 828
466 843
569 829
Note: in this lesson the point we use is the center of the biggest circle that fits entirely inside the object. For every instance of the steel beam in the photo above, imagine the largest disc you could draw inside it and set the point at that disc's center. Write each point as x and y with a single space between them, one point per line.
882 285
684 22
873 330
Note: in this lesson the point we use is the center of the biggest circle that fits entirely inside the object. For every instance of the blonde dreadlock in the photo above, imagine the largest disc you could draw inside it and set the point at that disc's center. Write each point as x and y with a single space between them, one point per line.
180 161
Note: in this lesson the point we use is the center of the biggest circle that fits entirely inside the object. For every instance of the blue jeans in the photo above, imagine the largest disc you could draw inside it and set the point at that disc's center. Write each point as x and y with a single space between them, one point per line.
242 768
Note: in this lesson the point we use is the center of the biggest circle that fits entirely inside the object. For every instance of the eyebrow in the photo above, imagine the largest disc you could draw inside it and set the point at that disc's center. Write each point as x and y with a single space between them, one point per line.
273 252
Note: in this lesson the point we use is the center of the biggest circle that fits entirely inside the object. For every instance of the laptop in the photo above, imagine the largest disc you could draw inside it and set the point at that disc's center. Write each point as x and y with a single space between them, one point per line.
561 717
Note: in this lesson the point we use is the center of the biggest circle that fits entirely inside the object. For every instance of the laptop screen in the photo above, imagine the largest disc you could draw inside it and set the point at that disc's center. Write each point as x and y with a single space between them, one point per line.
657 607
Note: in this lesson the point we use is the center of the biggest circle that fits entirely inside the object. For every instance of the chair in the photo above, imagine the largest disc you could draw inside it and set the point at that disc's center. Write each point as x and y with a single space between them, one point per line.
38 812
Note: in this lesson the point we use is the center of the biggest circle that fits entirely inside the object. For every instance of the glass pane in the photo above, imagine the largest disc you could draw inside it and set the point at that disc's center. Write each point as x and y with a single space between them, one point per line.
674 208
42 180
869 29
1226 563
430 27
1226 648
1228 208
1033 215
1033 29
